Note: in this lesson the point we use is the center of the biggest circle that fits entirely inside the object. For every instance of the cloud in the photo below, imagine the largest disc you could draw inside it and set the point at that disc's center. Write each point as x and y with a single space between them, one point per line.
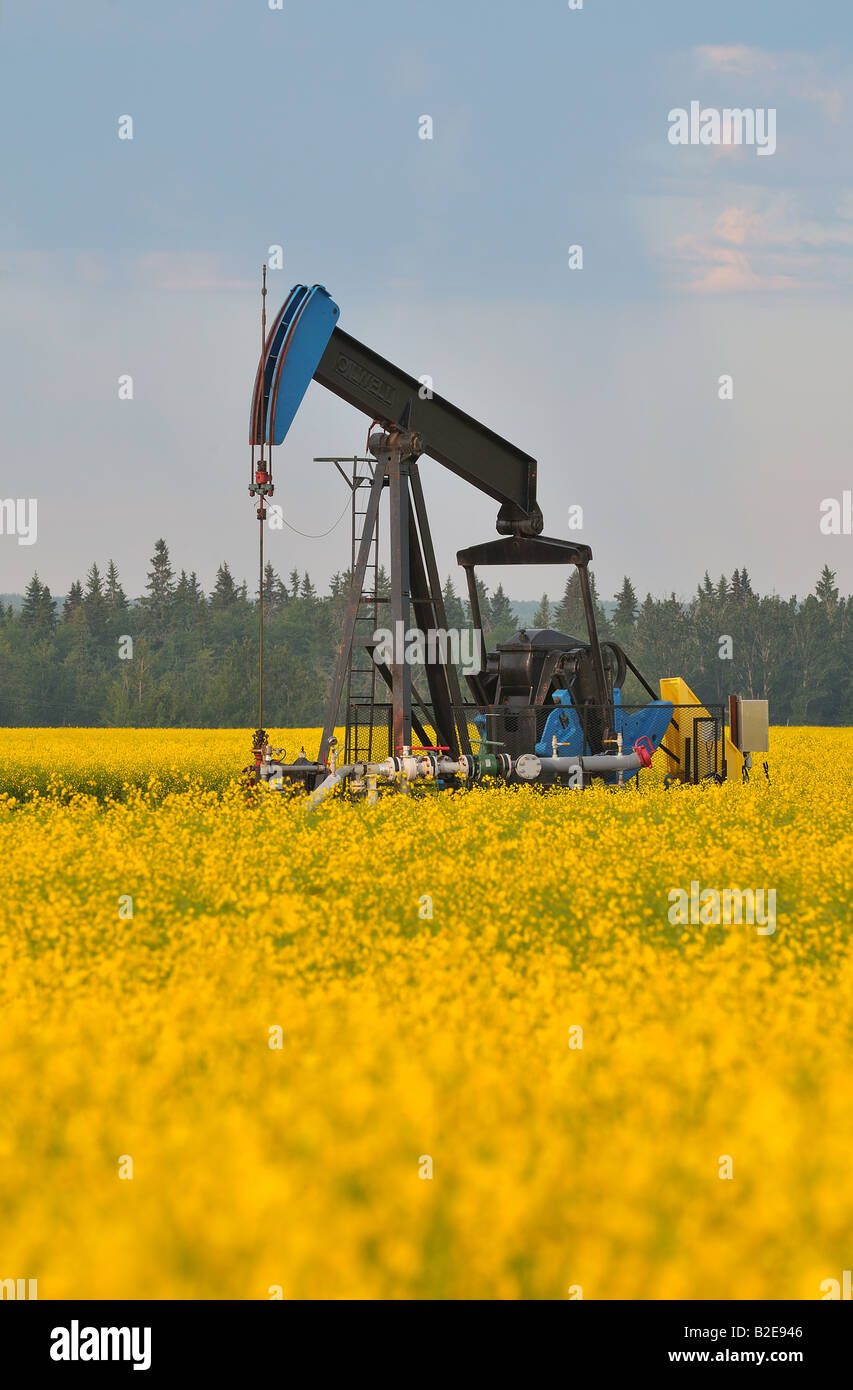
796 75
737 59
740 224
769 247
736 224
734 255
186 270
830 99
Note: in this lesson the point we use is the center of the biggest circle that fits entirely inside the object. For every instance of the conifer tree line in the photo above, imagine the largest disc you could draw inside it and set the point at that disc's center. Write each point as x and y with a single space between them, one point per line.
194 655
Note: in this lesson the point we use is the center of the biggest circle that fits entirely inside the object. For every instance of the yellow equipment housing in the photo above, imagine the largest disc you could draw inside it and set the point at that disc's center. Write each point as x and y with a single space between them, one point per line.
686 750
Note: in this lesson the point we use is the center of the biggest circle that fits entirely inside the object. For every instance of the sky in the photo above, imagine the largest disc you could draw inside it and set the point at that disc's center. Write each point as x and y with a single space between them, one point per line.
299 127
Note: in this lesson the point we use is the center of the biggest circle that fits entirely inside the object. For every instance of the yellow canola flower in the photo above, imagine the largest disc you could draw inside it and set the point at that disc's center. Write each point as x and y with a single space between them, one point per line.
322 1089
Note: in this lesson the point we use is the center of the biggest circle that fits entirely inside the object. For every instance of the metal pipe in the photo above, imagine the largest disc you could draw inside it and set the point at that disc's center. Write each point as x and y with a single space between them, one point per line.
332 782
596 764
419 767
273 769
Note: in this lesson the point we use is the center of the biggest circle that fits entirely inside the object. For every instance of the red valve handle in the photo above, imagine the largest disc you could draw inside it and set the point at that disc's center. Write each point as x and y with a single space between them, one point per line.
644 750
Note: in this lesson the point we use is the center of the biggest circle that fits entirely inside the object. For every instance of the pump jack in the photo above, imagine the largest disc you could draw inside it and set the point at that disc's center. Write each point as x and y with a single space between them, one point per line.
540 685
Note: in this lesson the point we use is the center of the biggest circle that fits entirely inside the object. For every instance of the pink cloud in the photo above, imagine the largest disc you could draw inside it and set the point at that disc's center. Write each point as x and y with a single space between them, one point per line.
718 261
797 74
738 224
736 58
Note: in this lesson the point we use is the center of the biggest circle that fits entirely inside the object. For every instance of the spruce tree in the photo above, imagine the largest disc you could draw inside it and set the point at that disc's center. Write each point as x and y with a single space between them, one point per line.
225 591
502 619
116 598
38 612
826 591
454 609
485 606
569 616
73 600
274 590
625 612
94 603
160 589
542 616
341 582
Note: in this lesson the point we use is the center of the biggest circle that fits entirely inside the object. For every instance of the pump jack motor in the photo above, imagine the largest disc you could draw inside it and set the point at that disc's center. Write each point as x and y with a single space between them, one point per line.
546 707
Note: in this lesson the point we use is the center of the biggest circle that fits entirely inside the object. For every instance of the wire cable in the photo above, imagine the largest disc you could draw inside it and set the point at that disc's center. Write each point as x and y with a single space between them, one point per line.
306 535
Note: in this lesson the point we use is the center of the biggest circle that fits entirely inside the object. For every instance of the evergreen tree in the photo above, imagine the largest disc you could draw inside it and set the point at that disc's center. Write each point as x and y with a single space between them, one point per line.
116 599
625 612
161 577
94 584
339 585
502 619
225 591
483 600
189 603
542 616
39 610
274 591
454 608
826 591
94 603
569 615
307 589
798 655
73 600
160 590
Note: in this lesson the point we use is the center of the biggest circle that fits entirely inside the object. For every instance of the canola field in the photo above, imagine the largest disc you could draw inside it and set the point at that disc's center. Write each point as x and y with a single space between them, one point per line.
451 1046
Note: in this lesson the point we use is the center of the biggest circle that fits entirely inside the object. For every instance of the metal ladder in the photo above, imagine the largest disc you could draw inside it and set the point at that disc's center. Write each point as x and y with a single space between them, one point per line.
361 676
361 673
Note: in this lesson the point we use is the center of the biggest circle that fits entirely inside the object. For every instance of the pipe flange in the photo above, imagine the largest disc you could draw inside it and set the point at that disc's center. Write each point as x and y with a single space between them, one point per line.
528 767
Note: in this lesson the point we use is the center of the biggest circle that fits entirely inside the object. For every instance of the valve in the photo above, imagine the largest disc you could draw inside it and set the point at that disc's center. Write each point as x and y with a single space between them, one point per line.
644 750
